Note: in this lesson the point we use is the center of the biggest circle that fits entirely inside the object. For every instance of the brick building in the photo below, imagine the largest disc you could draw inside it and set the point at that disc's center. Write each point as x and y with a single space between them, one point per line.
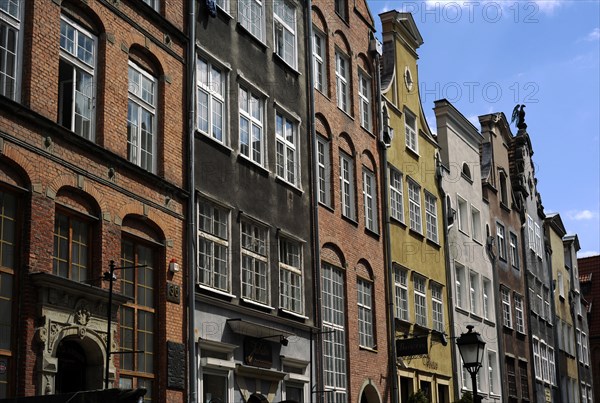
91 171
590 290
351 350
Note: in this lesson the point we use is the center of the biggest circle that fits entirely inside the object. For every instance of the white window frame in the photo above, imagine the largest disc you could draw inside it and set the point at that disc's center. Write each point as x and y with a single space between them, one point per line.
531 233
370 200
519 314
540 300
214 238
334 341
506 308
11 22
460 285
254 120
79 66
463 218
364 100
410 130
547 309
431 217
347 197
561 285
538 240
215 91
291 280
223 4
476 223
136 97
251 17
401 289
414 200
551 366
537 358
257 254
342 81
365 313
492 358
545 363
319 70
584 347
420 297
324 170
153 3
437 307
287 148
396 195
488 304
284 24
514 249
501 235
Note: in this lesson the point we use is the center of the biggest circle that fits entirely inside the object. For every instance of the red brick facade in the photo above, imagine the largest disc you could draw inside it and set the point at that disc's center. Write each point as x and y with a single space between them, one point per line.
49 168
346 243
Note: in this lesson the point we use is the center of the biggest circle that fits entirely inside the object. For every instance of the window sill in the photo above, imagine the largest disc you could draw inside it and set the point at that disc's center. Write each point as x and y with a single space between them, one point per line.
288 184
489 322
414 153
296 315
326 206
433 243
397 221
508 328
225 13
253 164
463 232
475 316
462 310
286 65
465 177
505 207
372 233
369 349
416 233
322 93
477 241
368 131
216 291
214 141
516 268
255 38
350 220
345 113
256 304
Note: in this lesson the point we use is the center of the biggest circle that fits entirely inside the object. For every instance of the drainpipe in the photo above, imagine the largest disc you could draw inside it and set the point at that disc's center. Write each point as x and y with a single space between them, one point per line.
191 207
389 295
449 288
316 376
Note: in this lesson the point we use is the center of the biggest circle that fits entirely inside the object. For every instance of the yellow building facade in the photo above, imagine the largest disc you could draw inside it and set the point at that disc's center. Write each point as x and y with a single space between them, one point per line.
416 221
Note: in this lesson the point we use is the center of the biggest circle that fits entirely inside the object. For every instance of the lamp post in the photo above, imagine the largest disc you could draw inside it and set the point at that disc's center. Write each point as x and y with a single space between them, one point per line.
471 347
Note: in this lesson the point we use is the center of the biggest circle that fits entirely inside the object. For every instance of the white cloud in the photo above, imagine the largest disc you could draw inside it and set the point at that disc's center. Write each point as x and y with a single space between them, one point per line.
548 6
581 215
594 35
385 8
588 253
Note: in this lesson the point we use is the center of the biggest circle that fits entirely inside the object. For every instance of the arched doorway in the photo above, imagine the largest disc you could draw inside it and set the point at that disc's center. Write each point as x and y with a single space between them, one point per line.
72 367
257 398
369 395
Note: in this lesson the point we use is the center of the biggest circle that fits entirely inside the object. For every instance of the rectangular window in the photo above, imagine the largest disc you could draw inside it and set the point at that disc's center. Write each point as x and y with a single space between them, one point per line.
461 285
476 223
530 232
511 376
561 285
420 301
287 149
401 286
213 246
284 24
540 300
347 185
370 200
334 339
364 95
255 282
319 46
514 251
215 386
251 126
138 317
141 119
76 81
431 217
152 3
539 247
250 15
474 292
537 360
520 318
506 308
410 128
365 313
342 82
584 347
10 30
532 300
501 235
211 100
545 366
340 8
492 372
487 300
71 255
551 366
524 378
290 276
396 195
323 171
547 309
463 215
414 207
437 307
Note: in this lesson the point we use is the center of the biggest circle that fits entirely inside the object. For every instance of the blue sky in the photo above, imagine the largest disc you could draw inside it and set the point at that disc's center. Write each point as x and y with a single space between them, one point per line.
486 56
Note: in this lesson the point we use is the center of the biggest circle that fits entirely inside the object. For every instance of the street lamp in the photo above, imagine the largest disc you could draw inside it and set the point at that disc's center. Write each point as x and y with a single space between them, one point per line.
471 347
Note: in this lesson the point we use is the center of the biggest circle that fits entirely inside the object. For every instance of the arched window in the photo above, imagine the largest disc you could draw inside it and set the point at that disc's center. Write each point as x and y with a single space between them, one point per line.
466 171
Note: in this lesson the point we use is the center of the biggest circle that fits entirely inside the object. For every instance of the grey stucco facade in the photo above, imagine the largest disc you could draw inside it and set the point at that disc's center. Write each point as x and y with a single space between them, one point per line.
254 301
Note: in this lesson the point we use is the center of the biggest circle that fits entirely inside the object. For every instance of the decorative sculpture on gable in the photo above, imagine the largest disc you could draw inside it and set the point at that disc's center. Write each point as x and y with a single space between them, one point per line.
518 115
